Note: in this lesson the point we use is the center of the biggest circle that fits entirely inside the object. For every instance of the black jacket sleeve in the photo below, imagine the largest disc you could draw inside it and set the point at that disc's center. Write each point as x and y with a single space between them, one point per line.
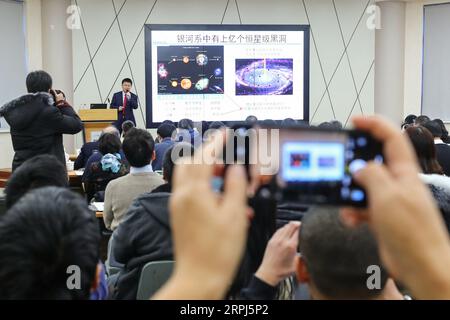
258 290
64 120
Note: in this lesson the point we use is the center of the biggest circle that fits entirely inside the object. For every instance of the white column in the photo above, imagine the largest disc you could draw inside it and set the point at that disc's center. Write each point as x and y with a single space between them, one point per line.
57 51
390 60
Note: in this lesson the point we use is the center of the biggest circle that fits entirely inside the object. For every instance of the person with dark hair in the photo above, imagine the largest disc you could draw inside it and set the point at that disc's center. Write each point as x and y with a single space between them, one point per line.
262 228
51 234
126 126
39 119
289 122
165 133
432 173
186 124
337 124
442 149
421 120
187 133
409 121
146 234
335 260
445 137
37 172
217 125
251 120
124 101
103 166
89 148
422 141
175 152
138 147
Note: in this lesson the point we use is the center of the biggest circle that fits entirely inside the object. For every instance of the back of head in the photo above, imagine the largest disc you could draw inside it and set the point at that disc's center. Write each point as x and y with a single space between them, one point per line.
112 130
289 122
138 147
217 125
325 125
423 143
51 234
434 128
37 172
172 155
126 126
420 120
39 81
251 120
166 130
337 124
109 143
168 122
337 257
410 119
262 228
186 124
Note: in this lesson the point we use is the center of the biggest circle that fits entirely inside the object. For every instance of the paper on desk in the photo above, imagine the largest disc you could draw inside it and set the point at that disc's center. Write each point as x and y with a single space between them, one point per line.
99 206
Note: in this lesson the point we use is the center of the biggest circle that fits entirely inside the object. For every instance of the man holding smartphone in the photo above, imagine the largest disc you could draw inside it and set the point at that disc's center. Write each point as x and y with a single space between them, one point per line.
124 101
39 119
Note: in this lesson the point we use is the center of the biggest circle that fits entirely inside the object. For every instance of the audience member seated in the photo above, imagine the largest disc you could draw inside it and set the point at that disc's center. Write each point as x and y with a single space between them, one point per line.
145 234
289 122
181 149
445 137
409 121
48 231
104 166
332 125
164 132
251 120
138 147
432 173
88 149
333 264
37 172
421 120
262 228
126 126
335 260
442 149
187 133
217 125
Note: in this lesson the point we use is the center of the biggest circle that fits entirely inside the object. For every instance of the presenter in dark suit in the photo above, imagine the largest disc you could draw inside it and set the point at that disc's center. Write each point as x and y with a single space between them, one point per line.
124 101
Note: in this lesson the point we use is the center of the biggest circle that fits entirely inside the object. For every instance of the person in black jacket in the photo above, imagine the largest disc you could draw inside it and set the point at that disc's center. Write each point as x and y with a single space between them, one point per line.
39 119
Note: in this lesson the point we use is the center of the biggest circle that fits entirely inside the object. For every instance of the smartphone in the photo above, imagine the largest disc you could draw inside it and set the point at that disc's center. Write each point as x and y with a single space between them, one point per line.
316 166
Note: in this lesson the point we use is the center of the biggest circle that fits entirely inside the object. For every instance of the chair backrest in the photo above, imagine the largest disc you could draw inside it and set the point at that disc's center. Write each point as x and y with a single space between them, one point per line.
153 276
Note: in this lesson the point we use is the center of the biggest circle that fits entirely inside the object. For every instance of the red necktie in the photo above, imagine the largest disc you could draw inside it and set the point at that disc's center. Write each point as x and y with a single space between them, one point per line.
125 100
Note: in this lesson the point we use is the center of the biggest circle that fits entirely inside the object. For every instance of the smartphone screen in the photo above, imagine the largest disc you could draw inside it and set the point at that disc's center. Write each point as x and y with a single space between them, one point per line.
316 166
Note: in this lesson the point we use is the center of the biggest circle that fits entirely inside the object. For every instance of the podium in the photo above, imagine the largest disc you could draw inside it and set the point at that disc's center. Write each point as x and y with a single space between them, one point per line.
95 121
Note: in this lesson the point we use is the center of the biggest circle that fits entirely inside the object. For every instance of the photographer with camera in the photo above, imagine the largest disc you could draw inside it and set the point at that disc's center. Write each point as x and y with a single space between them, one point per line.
39 119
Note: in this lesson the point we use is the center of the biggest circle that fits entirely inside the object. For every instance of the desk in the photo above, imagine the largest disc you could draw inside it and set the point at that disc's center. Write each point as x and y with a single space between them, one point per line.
74 178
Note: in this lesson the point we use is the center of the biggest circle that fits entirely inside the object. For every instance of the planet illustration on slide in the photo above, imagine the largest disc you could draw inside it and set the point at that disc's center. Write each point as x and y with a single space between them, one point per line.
186 84
186 59
202 84
201 59
218 72
174 84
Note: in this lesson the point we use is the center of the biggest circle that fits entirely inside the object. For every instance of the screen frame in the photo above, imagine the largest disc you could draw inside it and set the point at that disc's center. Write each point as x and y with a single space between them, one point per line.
222 27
